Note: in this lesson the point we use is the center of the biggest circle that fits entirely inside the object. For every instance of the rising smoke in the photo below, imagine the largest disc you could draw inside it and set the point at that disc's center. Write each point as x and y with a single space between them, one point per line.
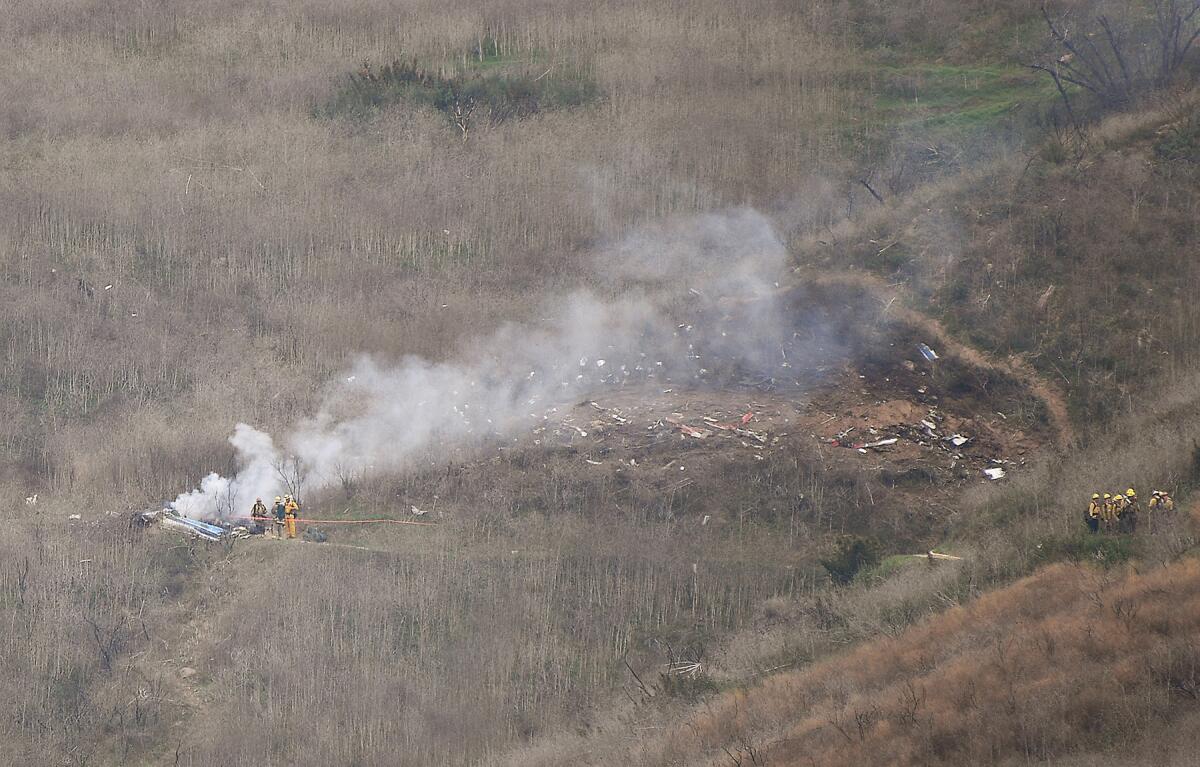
632 327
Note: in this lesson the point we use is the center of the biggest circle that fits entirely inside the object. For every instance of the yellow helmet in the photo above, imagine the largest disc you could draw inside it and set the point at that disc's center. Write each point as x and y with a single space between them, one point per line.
1108 496
278 499
1130 493
1095 496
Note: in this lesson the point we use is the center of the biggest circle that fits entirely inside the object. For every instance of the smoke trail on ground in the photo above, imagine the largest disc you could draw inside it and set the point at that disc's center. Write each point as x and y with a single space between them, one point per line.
381 416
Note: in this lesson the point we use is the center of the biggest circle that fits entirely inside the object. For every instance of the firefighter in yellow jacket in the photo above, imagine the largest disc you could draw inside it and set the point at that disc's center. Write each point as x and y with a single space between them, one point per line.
1108 511
1160 500
1129 515
1095 512
291 510
1118 511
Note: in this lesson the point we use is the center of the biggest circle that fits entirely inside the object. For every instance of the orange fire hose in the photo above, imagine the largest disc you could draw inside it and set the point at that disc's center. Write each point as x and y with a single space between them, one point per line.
348 521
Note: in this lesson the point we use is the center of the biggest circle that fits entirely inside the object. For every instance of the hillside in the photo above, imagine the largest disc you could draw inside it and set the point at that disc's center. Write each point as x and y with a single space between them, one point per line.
628 357
1068 661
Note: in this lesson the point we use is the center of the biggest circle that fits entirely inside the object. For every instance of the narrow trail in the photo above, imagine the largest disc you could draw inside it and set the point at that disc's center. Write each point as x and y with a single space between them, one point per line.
891 296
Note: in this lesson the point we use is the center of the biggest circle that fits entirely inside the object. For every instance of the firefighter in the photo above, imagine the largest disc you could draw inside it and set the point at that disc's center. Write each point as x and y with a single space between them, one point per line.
291 510
1107 513
280 510
1094 513
1129 519
258 516
1160 500
1118 510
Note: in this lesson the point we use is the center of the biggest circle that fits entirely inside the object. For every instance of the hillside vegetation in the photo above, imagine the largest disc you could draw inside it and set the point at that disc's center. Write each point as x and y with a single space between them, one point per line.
210 211
257 236
1067 661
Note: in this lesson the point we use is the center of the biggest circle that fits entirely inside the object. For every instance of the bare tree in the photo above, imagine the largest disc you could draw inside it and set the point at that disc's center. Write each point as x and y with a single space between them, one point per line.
1177 24
292 472
1102 57
349 478
461 111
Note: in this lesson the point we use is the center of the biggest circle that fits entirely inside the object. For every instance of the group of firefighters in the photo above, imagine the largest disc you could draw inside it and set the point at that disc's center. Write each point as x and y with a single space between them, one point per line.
283 513
1119 512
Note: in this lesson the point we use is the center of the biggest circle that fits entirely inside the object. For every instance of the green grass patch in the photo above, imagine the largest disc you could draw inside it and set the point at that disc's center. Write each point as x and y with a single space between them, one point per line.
488 89
954 99
894 564
1104 549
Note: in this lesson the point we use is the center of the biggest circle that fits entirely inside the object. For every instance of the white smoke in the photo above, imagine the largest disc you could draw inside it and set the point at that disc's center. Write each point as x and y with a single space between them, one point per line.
384 417
259 476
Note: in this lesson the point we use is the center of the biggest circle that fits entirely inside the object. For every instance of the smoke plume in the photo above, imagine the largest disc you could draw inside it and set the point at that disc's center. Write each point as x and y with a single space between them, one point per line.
659 311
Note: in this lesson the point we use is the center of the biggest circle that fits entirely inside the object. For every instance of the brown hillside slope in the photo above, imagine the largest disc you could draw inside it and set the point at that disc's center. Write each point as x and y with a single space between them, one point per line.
1064 662
1078 263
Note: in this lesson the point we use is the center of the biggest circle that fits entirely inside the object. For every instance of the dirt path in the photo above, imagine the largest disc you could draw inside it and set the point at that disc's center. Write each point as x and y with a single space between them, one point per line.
892 297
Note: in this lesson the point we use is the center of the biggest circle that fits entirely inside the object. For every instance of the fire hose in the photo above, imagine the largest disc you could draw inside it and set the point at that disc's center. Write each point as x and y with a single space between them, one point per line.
348 521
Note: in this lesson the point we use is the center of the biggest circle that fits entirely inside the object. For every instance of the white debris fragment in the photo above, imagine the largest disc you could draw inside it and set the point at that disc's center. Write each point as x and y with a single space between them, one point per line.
882 442
994 474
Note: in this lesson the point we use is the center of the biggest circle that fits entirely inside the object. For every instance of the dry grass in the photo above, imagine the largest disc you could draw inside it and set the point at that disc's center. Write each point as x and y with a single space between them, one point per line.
179 153
1069 660
173 153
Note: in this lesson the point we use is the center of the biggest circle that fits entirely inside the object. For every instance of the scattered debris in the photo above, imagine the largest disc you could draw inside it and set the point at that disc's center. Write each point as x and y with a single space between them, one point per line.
689 430
880 443
144 518
417 512
31 500
928 353
995 473
74 517
173 521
